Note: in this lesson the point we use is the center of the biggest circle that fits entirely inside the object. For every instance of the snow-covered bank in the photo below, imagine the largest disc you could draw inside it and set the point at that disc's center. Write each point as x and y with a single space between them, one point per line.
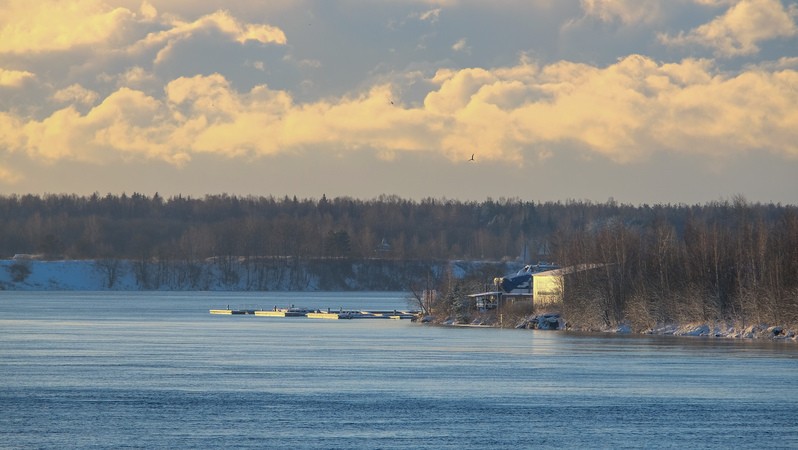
723 330
229 274
217 274
554 321
713 330
29 275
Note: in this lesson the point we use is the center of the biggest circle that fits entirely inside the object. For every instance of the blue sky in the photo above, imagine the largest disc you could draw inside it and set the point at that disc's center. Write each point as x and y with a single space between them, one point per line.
642 101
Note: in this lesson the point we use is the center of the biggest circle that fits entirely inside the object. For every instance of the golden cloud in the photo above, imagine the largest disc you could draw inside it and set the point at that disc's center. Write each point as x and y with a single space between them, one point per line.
15 78
9 176
624 112
741 29
75 94
220 21
127 123
52 25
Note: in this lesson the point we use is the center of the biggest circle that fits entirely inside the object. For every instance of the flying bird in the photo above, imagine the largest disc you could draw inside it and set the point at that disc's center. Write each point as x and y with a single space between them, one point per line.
472 157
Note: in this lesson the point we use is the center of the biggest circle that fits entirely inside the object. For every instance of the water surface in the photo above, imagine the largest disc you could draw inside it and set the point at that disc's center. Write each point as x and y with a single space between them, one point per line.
155 370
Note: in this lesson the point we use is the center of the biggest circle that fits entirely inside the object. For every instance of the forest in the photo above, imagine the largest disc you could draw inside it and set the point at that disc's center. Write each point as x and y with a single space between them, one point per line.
724 260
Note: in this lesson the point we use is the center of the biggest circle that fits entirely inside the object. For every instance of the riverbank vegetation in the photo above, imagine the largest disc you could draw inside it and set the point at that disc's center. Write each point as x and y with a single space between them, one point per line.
728 260
731 262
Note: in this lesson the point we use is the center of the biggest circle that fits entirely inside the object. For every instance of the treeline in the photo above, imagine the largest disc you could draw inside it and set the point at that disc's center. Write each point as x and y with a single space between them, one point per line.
726 259
136 226
732 262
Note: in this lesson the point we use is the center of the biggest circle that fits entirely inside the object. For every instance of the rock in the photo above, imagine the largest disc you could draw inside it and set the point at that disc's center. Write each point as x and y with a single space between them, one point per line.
696 330
548 321
752 331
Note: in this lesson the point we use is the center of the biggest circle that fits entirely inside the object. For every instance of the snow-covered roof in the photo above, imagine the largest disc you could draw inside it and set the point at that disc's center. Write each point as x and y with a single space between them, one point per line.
566 270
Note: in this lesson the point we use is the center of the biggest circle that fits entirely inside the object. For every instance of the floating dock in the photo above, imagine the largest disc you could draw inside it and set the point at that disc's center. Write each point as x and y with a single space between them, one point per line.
320 314
233 311
329 315
280 313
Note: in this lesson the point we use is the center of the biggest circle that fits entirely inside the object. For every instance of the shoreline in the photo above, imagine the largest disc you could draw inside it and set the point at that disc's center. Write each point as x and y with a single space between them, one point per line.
717 330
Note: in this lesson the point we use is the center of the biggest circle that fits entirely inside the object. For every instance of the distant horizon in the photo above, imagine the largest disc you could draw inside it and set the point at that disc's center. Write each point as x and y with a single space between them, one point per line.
167 196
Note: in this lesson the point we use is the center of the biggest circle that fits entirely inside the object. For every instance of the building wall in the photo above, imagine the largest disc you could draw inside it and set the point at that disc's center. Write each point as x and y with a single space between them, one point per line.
547 286
546 290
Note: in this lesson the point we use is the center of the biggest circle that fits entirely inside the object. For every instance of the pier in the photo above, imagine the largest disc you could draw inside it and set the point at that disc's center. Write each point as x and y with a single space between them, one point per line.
230 312
321 314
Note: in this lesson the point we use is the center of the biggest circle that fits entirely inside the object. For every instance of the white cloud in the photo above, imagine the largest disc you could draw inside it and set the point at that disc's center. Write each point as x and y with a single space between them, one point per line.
741 29
461 46
431 16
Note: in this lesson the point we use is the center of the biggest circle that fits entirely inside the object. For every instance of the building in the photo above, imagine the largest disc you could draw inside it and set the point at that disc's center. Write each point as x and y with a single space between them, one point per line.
548 286
545 288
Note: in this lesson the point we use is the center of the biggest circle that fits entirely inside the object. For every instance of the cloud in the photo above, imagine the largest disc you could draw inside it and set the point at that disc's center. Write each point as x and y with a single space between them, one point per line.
15 78
57 26
50 25
148 11
461 46
220 21
432 15
9 176
787 62
715 2
741 29
623 112
727 115
125 124
625 11
135 76
75 94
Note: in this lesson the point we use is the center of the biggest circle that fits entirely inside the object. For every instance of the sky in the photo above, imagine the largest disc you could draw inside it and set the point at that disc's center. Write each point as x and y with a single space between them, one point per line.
638 101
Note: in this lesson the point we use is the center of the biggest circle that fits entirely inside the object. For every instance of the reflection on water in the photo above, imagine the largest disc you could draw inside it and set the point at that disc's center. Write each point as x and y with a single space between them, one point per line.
156 370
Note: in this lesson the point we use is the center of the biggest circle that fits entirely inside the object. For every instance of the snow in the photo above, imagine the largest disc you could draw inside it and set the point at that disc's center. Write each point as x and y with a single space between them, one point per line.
93 275
217 274
61 275
724 330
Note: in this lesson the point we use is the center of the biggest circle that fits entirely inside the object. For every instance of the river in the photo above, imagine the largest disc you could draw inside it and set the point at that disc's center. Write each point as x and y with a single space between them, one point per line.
156 370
